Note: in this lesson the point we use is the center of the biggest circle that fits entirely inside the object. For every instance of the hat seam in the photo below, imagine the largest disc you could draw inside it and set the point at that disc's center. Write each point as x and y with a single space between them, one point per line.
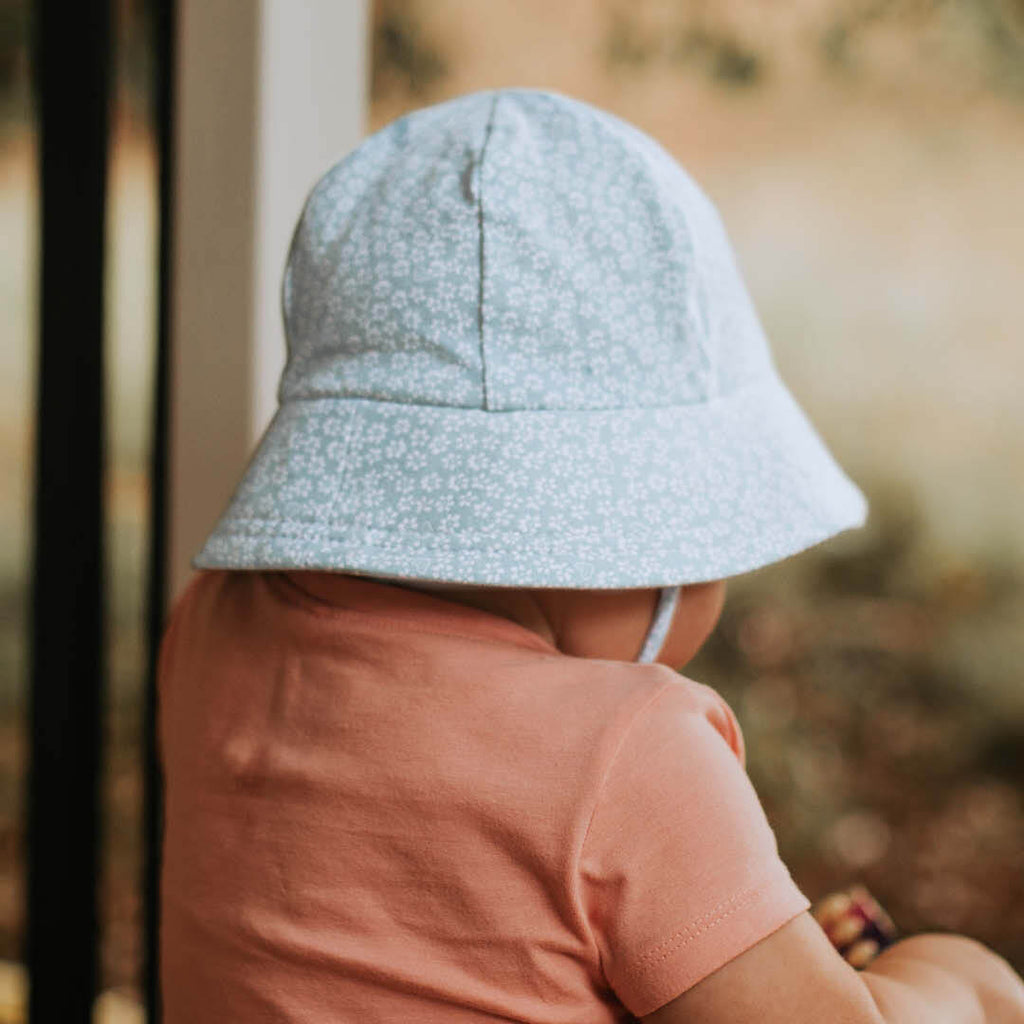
700 403
480 225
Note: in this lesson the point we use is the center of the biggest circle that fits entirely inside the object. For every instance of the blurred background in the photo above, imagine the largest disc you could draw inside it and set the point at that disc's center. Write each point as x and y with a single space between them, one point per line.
867 157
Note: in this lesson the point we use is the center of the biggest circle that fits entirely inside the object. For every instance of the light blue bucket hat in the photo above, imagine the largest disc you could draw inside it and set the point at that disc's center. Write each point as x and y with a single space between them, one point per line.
520 353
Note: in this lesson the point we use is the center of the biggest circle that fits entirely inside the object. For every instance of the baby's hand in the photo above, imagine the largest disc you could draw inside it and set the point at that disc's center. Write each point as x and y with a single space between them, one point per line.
855 924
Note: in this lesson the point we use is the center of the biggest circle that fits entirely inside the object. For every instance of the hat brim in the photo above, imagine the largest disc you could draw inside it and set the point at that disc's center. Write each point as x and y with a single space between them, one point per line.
607 498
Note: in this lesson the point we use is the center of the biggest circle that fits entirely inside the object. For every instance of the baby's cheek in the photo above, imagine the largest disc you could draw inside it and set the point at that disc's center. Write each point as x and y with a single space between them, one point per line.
697 612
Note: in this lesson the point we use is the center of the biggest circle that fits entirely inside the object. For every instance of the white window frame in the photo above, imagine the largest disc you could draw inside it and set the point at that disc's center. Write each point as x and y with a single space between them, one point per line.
269 94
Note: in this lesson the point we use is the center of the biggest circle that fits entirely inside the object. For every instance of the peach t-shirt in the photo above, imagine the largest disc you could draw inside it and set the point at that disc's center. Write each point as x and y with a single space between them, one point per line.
383 805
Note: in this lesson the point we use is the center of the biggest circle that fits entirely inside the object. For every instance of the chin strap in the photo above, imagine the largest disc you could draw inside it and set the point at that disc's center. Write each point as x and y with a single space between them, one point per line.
659 624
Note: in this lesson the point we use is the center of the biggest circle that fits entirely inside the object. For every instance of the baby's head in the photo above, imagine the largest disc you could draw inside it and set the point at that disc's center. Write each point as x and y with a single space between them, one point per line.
521 359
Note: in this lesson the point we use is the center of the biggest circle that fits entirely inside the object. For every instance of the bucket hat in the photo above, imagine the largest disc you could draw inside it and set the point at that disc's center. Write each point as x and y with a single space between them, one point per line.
520 353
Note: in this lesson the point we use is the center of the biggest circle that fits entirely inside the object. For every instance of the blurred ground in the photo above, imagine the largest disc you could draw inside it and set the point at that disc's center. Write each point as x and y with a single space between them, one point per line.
865 158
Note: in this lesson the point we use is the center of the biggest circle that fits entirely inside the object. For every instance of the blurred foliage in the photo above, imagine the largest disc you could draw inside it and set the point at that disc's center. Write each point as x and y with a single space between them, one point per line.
14 61
985 37
718 53
732 43
402 58
878 756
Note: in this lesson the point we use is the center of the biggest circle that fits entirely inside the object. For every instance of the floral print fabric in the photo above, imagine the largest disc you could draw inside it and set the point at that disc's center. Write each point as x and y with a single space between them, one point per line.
520 353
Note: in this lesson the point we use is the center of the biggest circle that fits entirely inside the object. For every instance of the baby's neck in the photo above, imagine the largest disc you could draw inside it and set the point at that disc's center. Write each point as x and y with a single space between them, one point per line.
431 585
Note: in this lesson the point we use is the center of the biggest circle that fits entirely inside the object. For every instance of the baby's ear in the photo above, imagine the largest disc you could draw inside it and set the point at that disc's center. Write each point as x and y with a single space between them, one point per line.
726 722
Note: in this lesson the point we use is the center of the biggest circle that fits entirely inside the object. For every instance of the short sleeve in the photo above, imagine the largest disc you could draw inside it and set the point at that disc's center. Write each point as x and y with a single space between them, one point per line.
679 870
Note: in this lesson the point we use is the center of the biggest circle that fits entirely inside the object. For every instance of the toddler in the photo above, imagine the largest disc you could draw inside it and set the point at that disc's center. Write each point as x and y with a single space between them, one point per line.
427 752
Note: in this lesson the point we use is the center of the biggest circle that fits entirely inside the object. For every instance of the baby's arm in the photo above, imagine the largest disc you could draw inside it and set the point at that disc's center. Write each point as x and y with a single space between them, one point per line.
796 976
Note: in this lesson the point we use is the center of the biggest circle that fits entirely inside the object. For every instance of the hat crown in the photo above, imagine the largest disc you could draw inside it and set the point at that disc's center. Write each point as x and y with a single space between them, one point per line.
520 251
515 249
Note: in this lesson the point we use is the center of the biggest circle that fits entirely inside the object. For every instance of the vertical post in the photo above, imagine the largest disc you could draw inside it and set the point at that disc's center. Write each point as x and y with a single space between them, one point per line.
216 80
163 46
72 62
269 94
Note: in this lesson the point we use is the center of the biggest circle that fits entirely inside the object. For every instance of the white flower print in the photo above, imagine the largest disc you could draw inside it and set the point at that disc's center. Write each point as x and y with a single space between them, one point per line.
552 377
